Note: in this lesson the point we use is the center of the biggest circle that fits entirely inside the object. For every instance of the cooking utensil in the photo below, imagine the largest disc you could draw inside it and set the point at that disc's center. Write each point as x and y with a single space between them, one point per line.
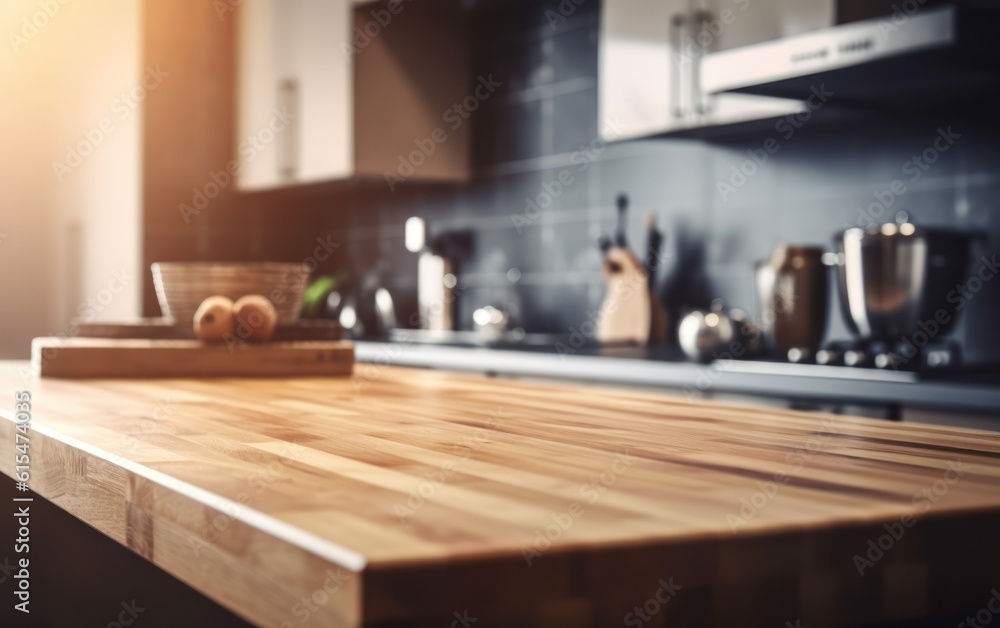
748 333
490 322
626 314
898 281
182 286
621 202
437 277
793 298
703 335
654 242
373 306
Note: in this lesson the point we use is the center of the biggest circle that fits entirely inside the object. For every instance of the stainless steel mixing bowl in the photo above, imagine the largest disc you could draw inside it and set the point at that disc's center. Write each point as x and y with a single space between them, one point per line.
898 279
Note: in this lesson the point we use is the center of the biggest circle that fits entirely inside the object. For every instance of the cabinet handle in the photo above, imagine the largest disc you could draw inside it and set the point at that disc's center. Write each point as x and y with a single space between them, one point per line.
288 140
678 22
700 102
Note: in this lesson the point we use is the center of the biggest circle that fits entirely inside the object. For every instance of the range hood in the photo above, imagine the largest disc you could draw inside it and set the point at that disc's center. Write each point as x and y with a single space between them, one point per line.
929 57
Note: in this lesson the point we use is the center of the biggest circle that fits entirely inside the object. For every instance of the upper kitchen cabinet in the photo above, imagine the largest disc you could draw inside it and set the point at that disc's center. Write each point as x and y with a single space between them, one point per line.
338 89
934 55
730 24
651 53
639 77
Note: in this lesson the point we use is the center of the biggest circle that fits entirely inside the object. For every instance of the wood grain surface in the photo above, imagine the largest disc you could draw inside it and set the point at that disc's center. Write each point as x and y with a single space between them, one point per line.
166 329
408 497
101 357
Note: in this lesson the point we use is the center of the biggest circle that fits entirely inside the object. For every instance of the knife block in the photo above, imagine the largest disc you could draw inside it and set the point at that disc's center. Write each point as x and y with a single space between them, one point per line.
626 316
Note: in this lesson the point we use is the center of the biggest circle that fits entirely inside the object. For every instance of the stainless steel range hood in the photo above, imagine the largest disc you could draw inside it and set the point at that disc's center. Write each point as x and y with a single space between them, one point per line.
929 56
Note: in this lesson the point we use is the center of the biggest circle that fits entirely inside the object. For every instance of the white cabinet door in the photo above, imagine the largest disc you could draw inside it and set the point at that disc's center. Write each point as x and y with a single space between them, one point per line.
725 24
295 92
650 62
734 23
640 71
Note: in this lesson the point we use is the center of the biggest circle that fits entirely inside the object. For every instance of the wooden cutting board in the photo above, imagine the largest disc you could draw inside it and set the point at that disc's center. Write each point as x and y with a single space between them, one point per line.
165 329
99 357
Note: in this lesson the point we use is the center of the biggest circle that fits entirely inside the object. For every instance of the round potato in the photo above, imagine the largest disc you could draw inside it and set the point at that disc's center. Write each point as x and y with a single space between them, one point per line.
214 319
255 317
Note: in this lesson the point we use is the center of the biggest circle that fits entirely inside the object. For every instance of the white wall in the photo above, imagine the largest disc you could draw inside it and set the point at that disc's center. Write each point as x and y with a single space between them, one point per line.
61 242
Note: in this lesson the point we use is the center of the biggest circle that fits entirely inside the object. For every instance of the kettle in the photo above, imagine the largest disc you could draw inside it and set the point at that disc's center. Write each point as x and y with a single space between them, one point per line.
717 334
793 298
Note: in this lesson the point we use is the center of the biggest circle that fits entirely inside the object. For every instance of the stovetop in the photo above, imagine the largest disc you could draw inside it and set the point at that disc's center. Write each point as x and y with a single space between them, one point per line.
914 369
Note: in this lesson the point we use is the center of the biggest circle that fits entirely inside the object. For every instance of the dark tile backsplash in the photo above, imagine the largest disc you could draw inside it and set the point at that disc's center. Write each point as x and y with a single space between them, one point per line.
547 110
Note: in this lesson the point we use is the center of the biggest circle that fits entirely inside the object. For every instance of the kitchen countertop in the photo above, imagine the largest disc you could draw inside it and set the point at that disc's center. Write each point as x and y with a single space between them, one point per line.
412 495
657 368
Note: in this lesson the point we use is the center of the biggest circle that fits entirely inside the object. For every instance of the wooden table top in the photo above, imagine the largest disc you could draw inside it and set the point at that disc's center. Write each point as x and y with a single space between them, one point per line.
258 491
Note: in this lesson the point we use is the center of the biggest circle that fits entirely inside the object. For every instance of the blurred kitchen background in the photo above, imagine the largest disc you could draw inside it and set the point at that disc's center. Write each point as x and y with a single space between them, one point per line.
525 182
